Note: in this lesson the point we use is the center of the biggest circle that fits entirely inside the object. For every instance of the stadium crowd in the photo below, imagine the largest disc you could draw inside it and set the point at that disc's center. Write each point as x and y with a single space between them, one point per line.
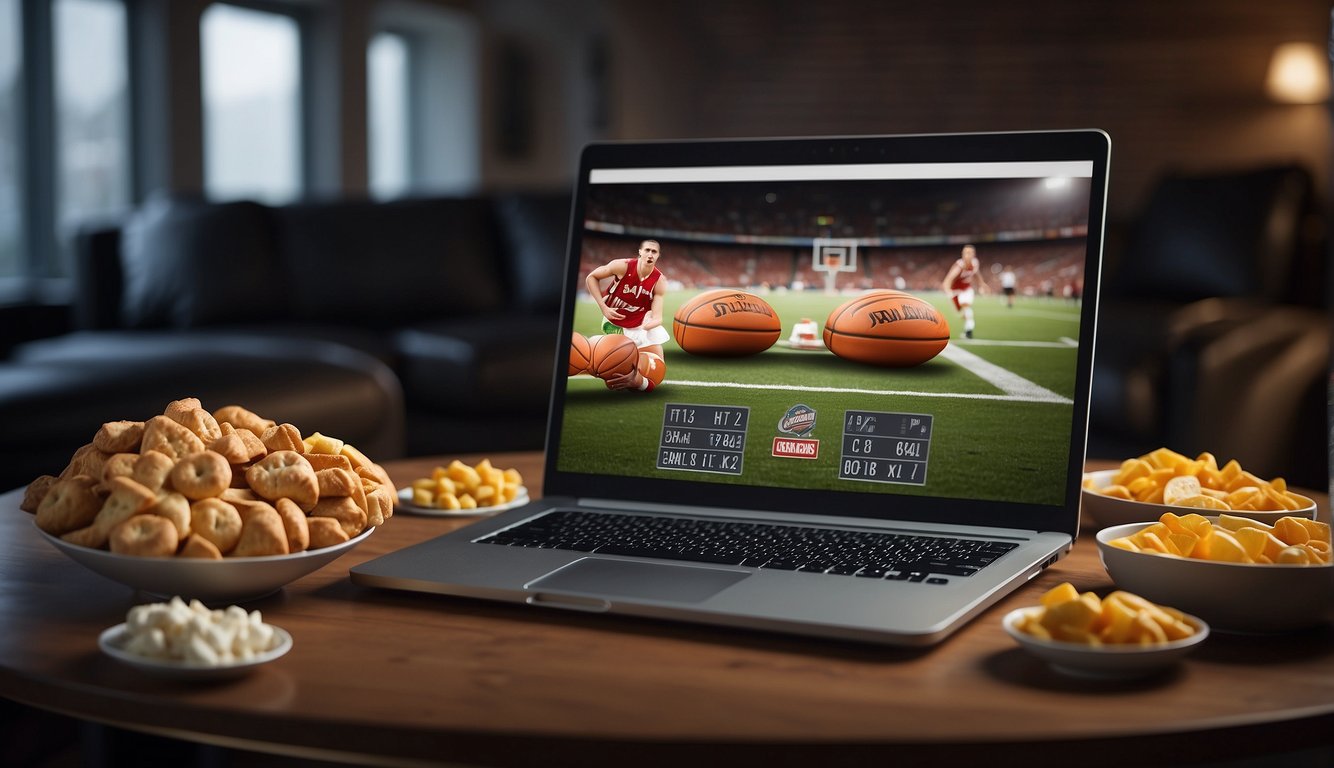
758 236
849 209
1041 268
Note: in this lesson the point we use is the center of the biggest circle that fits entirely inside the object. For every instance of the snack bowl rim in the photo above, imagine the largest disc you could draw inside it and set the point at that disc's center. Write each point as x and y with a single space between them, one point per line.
1123 508
1105 536
1232 597
111 640
1109 660
210 581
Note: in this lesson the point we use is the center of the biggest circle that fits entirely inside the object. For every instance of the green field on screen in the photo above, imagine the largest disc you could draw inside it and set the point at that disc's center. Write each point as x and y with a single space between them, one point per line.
1000 404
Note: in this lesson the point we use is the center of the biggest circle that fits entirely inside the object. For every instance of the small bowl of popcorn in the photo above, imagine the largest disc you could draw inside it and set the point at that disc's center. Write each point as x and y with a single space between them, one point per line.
189 641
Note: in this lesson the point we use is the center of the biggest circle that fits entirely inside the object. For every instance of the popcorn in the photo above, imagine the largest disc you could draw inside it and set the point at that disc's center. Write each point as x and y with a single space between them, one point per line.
194 634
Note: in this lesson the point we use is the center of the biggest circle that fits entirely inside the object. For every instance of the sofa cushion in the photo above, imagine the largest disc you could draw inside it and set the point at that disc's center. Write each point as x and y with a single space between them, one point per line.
98 376
382 264
497 363
374 342
187 264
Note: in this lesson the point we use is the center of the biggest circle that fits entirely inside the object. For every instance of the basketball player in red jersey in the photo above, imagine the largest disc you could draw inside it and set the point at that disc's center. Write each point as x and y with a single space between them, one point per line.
963 279
632 304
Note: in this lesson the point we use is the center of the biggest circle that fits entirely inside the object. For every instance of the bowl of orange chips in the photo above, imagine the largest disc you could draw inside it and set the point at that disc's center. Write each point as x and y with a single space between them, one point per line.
1236 573
1120 634
1145 487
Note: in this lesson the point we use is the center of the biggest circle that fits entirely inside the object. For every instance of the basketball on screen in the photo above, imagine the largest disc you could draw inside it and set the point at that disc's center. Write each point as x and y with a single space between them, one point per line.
726 323
612 356
581 354
886 328
652 367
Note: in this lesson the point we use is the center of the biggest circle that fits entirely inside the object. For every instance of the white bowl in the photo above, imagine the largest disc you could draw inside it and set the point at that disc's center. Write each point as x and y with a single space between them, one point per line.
1105 660
112 642
405 505
1234 597
1108 510
232 579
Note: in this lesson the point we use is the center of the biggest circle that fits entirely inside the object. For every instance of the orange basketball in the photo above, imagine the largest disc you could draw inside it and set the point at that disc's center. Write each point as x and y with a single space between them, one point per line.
726 323
581 354
888 328
652 367
612 355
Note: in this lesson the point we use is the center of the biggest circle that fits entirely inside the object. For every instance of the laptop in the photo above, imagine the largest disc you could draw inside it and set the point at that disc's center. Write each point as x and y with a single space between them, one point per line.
781 485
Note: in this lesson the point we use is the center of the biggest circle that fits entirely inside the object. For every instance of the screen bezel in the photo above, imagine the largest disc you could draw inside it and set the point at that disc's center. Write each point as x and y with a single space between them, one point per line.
1086 145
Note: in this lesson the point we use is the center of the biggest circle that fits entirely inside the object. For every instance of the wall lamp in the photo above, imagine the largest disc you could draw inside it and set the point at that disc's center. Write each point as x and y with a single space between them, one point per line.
1299 73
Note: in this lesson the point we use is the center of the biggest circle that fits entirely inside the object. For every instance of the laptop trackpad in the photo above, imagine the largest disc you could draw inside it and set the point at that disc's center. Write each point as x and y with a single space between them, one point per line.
649 581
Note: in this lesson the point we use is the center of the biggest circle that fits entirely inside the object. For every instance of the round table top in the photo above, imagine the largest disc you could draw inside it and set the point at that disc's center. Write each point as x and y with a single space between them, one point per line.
408 678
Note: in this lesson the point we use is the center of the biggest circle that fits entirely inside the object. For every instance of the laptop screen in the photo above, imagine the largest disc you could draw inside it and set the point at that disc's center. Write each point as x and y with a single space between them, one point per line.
833 325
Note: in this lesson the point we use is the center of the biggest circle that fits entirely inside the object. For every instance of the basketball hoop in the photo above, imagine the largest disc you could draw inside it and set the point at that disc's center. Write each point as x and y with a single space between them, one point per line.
832 256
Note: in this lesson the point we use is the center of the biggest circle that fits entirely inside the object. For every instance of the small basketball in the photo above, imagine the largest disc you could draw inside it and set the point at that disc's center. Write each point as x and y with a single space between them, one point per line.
726 323
652 367
581 354
612 355
886 328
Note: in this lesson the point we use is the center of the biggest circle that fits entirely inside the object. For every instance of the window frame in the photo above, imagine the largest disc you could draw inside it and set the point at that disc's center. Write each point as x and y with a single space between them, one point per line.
37 141
131 184
165 117
43 276
450 40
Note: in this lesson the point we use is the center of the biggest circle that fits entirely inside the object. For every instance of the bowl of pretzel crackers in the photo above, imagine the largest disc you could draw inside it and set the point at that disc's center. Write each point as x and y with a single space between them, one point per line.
1163 480
220 506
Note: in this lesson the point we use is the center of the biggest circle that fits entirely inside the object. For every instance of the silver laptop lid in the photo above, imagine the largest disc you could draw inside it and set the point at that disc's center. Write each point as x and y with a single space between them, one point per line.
895 327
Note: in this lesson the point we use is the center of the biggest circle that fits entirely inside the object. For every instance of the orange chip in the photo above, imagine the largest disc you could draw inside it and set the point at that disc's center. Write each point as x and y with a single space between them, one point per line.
1238 498
1201 501
1291 531
1131 469
1182 487
1117 492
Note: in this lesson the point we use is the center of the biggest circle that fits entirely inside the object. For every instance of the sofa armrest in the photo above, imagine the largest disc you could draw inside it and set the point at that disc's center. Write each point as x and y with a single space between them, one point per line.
1261 396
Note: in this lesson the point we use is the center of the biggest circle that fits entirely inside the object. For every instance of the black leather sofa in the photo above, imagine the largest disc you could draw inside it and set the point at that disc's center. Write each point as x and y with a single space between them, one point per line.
407 328
428 326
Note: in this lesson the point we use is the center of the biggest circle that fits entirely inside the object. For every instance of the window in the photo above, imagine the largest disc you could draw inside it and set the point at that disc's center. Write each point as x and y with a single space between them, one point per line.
65 153
388 120
92 151
423 99
11 49
252 104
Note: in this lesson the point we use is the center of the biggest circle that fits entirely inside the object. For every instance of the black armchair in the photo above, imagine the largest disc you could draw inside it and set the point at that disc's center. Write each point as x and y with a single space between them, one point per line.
1213 335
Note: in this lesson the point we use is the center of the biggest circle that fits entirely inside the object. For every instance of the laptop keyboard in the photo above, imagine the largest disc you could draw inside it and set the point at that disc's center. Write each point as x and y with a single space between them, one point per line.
863 554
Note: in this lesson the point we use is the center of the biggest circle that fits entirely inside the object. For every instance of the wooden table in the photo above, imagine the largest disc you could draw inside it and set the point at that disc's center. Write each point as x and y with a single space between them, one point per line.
399 678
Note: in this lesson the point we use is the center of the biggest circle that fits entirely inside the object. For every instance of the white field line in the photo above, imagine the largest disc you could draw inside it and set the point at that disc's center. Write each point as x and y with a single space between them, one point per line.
1015 388
1065 342
1005 380
1051 397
